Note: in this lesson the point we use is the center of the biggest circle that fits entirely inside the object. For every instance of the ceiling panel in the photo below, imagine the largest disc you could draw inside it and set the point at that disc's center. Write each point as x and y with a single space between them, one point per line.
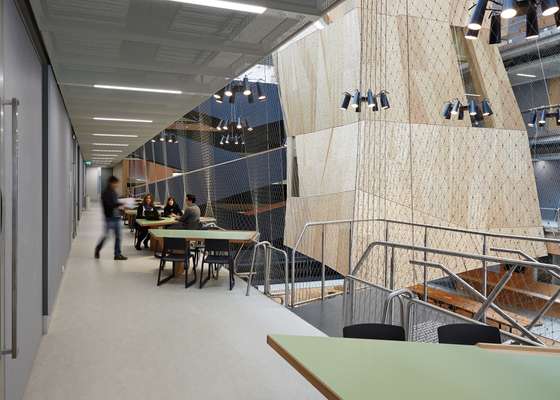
154 44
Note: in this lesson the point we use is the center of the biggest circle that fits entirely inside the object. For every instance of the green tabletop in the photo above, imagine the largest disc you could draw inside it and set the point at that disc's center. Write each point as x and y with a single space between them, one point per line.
232 236
144 223
373 369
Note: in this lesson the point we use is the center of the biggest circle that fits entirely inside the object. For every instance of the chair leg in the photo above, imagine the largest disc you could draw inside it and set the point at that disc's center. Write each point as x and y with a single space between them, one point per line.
161 267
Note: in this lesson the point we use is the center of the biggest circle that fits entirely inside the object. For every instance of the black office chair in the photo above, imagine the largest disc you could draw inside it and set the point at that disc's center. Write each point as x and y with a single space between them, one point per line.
468 334
374 331
216 254
176 250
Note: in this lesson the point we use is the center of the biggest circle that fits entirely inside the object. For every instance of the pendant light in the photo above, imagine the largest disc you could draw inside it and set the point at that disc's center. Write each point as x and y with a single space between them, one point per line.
471 35
236 142
153 140
249 127
446 112
473 109
477 17
456 107
219 127
542 117
372 101
549 7
162 138
461 115
495 29
228 92
261 94
486 108
532 26
384 100
509 9
222 141
557 117
356 99
232 98
227 138
346 101
239 125
246 87
533 119
557 19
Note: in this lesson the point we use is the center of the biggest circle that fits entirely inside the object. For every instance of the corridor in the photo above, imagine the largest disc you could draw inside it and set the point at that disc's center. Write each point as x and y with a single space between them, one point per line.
115 335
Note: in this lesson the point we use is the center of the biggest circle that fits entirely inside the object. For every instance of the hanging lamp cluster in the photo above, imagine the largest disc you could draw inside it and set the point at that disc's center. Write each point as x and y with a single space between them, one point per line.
356 99
455 107
506 10
165 137
540 116
230 127
236 139
245 88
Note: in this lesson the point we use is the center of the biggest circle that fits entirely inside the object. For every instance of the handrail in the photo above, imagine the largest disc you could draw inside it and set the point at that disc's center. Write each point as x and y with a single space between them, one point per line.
405 318
268 248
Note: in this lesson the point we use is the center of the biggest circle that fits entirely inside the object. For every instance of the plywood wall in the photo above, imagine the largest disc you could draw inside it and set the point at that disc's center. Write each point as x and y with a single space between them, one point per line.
406 163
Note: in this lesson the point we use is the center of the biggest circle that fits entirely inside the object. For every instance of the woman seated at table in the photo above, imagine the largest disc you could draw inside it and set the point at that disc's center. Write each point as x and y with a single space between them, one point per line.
172 209
143 234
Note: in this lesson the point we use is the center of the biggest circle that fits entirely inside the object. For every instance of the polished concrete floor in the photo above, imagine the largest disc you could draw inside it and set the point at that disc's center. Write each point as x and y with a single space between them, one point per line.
115 335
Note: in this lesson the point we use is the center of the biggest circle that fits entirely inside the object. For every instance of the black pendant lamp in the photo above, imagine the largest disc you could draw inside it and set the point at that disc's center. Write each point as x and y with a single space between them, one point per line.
471 35
549 7
372 101
477 17
246 87
446 111
456 107
533 119
346 101
384 100
532 31
509 9
261 94
486 108
495 29
473 109
542 118
356 99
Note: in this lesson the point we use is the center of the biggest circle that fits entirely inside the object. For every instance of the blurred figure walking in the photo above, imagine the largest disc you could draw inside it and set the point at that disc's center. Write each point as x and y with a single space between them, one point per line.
111 205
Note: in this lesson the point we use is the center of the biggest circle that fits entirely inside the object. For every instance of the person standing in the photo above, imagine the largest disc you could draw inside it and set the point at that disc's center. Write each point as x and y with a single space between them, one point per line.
191 215
110 201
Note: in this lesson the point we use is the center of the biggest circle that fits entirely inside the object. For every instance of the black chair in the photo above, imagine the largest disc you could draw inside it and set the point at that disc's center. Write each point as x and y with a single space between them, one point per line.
216 254
176 250
468 334
374 331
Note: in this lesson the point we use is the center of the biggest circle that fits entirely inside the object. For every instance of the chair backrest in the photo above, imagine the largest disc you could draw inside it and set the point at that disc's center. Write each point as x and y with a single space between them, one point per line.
216 245
374 331
469 334
170 244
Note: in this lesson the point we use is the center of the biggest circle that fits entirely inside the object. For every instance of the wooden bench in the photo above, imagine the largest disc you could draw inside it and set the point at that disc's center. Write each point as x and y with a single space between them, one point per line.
521 291
467 307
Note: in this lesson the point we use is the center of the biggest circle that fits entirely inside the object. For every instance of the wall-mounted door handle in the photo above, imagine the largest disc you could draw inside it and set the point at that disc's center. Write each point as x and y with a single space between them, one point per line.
14 103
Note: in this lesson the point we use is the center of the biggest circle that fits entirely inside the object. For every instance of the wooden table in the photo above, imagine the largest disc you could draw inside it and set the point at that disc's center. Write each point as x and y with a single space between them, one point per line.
354 369
236 237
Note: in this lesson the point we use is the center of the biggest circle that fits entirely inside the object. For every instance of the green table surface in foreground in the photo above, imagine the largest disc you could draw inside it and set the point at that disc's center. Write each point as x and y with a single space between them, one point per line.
353 369
232 236
144 223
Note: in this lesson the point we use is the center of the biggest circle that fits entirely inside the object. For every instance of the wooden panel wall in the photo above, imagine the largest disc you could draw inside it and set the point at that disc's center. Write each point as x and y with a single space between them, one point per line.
410 163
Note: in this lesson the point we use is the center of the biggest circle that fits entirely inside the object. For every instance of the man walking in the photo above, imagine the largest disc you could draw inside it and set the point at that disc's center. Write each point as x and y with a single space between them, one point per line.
111 205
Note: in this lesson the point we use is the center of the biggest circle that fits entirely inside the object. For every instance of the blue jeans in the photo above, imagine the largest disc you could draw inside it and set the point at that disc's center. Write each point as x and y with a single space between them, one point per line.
111 224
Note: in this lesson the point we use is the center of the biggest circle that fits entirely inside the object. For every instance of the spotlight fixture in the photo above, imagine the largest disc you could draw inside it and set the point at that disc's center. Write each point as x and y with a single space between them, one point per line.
219 127
475 22
540 115
471 34
346 101
533 119
236 142
455 107
509 9
162 138
239 125
228 92
169 139
549 7
495 29
222 141
486 108
153 140
532 26
542 118
355 100
246 87
249 127
227 138
261 95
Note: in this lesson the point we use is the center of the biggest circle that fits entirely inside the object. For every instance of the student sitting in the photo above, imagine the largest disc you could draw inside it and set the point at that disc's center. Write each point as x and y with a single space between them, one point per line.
172 209
143 234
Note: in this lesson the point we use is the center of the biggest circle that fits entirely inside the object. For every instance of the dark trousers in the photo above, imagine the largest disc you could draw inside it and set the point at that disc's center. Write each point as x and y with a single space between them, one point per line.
143 236
111 224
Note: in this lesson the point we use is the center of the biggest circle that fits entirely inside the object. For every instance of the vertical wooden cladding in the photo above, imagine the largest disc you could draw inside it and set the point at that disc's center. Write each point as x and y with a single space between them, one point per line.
410 164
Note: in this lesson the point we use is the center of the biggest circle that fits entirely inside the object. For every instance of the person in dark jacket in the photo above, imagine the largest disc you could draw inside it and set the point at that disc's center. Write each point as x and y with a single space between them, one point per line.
143 234
111 205
191 215
172 209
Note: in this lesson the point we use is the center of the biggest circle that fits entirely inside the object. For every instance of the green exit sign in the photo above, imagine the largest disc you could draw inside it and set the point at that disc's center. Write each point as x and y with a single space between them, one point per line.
88 163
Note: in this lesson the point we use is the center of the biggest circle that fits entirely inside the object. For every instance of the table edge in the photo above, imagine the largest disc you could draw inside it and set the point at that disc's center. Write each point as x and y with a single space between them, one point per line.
299 367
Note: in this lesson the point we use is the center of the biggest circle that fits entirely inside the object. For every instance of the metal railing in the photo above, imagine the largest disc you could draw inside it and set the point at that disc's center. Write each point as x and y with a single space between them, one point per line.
487 302
268 249
297 297
366 302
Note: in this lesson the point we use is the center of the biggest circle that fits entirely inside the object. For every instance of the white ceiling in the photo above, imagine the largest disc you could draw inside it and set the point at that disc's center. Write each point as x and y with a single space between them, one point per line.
154 44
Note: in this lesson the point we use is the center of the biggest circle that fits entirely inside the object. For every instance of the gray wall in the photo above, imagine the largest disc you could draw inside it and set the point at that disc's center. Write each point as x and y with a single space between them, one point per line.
60 188
93 180
23 80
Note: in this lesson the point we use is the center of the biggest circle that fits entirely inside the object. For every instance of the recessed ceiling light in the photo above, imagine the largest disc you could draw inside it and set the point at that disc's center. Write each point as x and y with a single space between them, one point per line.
137 89
527 75
227 5
146 121
111 144
113 135
108 150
